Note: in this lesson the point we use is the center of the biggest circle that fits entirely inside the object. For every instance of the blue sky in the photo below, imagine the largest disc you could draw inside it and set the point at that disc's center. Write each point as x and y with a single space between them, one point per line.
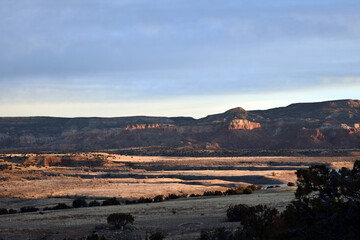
173 58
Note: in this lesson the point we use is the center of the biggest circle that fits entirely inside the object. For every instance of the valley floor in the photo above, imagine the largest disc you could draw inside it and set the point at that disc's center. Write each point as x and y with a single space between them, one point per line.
44 180
178 219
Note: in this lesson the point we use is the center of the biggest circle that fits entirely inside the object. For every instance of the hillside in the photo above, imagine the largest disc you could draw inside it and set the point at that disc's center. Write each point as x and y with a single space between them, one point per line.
331 124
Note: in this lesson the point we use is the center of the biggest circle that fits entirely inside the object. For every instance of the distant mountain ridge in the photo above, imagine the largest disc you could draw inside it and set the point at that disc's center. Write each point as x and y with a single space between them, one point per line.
330 124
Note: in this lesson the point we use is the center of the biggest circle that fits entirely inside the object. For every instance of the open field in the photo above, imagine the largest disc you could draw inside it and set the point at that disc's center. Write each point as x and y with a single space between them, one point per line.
44 180
178 219
109 175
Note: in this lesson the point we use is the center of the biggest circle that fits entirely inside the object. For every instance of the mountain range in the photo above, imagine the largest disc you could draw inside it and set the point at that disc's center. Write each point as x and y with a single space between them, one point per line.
319 125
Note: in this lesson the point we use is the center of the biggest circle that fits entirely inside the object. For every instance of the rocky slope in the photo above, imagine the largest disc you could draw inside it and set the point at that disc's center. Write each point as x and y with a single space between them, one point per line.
332 124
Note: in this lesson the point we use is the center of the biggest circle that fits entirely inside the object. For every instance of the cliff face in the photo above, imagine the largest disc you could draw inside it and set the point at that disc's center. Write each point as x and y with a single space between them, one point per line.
243 124
333 124
148 126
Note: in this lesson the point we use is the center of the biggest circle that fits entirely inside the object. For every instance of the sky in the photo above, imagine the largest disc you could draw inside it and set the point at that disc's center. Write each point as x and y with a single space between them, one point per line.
174 58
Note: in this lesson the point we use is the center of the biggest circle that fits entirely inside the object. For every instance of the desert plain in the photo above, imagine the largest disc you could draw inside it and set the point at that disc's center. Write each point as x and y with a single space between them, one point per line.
45 179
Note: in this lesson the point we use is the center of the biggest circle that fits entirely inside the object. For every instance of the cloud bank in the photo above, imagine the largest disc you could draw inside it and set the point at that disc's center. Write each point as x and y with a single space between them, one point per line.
117 52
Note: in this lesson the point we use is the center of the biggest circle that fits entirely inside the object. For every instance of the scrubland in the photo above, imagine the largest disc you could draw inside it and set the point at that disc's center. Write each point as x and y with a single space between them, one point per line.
44 180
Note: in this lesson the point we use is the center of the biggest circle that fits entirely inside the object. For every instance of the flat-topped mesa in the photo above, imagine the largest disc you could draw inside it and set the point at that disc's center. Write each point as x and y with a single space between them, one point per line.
148 126
243 124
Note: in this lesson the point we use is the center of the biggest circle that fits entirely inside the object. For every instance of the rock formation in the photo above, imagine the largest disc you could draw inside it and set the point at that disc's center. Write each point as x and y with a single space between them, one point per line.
332 124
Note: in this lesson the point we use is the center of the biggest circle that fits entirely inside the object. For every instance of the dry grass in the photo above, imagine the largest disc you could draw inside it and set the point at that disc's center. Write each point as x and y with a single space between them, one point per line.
26 181
178 219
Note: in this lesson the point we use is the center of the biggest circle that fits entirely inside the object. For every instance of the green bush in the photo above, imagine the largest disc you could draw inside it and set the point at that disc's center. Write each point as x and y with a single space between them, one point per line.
230 191
94 204
94 236
144 200
218 234
253 187
156 236
3 211
172 196
195 195
218 193
79 202
237 212
61 206
12 211
239 190
28 209
248 190
159 198
130 202
259 222
213 193
110 201
327 206
120 219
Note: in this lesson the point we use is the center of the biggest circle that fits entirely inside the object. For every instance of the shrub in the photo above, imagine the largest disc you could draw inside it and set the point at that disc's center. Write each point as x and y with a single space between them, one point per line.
218 234
333 212
195 195
61 206
291 184
217 193
28 209
248 190
145 200
159 198
94 204
156 236
239 190
214 193
327 206
253 187
130 202
120 219
110 201
259 223
230 191
12 211
208 193
3 211
79 202
237 212
172 196
94 236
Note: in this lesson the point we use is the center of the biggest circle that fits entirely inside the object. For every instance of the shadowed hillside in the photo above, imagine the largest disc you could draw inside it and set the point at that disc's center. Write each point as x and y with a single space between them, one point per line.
332 124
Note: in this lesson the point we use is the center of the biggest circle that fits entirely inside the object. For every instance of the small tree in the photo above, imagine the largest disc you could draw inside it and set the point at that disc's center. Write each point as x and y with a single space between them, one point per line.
120 219
111 201
156 236
248 190
3 211
94 236
61 206
159 198
79 202
28 209
237 212
94 204
253 187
